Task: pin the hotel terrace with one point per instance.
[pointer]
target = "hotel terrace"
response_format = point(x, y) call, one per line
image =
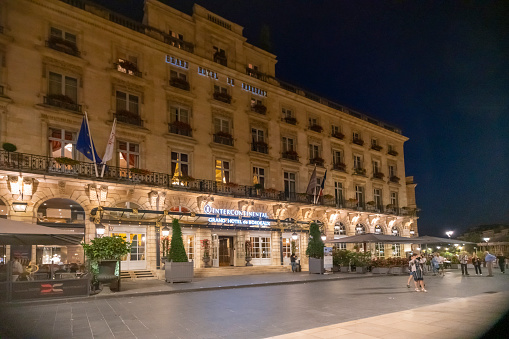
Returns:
point(205, 132)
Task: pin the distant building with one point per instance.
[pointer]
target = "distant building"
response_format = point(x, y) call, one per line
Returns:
point(205, 132)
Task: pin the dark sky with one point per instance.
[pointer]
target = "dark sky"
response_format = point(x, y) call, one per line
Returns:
point(437, 69)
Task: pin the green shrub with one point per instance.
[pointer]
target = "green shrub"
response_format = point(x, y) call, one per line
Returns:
point(177, 249)
point(315, 245)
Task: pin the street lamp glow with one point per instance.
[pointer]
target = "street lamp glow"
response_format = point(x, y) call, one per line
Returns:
point(294, 236)
point(438, 247)
point(324, 237)
point(486, 239)
point(449, 233)
point(456, 245)
point(166, 231)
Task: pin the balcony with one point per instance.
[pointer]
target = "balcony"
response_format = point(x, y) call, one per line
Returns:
point(180, 83)
point(221, 59)
point(358, 141)
point(223, 138)
point(392, 152)
point(394, 179)
point(181, 44)
point(338, 135)
point(339, 166)
point(223, 97)
point(378, 175)
point(47, 166)
point(128, 117)
point(260, 147)
point(62, 101)
point(290, 120)
point(128, 67)
point(316, 161)
point(359, 171)
point(61, 45)
point(256, 74)
point(376, 147)
point(290, 155)
point(259, 108)
point(316, 128)
point(180, 128)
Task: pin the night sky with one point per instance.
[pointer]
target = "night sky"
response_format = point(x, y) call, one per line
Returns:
point(439, 70)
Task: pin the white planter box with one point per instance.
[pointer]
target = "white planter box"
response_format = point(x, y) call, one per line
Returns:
point(178, 271)
point(380, 270)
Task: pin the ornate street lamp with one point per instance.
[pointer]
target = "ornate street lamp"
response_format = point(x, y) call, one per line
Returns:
point(165, 231)
point(295, 236)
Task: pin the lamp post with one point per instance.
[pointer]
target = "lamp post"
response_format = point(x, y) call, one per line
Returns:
point(487, 240)
point(449, 233)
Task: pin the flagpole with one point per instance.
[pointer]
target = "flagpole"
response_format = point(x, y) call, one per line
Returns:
point(314, 191)
point(91, 145)
point(104, 161)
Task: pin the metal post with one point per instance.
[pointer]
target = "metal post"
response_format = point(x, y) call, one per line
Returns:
point(281, 246)
point(158, 248)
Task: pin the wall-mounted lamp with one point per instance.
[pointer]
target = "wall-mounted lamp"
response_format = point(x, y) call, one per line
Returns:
point(165, 231)
point(19, 206)
point(99, 230)
point(295, 236)
point(324, 237)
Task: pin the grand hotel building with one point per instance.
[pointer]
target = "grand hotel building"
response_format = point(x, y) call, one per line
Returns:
point(205, 132)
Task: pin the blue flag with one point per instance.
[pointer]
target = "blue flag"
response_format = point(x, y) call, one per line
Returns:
point(85, 144)
point(322, 186)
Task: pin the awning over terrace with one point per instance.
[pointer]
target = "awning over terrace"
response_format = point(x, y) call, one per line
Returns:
point(21, 233)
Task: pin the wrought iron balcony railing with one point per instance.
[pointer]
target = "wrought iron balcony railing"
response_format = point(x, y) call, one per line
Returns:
point(127, 68)
point(43, 165)
point(260, 147)
point(63, 46)
point(290, 155)
point(223, 139)
point(129, 118)
point(180, 128)
point(52, 101)
point(256, 74)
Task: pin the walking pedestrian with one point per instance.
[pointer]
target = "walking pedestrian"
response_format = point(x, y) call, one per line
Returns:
point(417, 267)
point(410, 274)
point(501, 262)
point(477, 264)
point(435, 263)
point(293, 262)
point(463, 258)
point(489, 259)
point(441, 261)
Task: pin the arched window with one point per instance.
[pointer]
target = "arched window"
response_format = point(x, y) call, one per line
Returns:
point(126, 214)
point(339, 230)
point(378, 229)
point(360, 229)
point(59, 212)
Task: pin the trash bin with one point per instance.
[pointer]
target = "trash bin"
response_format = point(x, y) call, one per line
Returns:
point(298, 268)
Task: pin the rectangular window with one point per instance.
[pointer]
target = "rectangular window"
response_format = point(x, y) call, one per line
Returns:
point(58, 33)
point(337, 157)
point(63, 85)
point(128, 154)
point(357, 162)
point(313, 121)
point(314, 151)
point(179, 164)
point(335, 130)
point(341, 246)
point(189, 244)
point(179, 114)
point(260, 247)
point(359, 195)
point(127, 102)
point(178, 74)
point(289, 181)
point(287, 112)
point(374, 142)
point(62, 143)
point(221, 125)
point(376, 166)
point(255, 102)
point(396, 250)
point(223, 171)
point(394, 199)
point(380, 250)
point(356, 135)
point(288, 144)
point(377, 198)
point(257, 135)
point(220, 89)
point(259, 176)
point(338, 193)
point(176, 35)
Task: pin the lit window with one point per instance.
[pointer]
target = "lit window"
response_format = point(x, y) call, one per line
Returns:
point(223, 171)
point(62, 143)
point(129, 154)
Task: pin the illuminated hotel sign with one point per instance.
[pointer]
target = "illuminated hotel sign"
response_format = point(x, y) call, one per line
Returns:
point(236, 213)
point(254, 90)
point(177, 62)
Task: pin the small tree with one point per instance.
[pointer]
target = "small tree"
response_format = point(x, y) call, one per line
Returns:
point(315, 245)
point(177, 250)
point(105, 248)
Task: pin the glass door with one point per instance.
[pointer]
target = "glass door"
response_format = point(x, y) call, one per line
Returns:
point(136, 259)
point(215, 250)
point(261, 250)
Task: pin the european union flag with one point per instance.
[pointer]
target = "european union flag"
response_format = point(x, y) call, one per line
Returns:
point(85, 144)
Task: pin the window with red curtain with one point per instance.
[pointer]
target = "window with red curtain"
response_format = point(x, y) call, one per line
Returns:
point(129, 154)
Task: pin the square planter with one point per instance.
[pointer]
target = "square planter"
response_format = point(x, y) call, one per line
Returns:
point(344, 269)
point(380, 270)
point(395, 270)
point(361, 269)
point(178, 271)
point(454, 266)
point(316, 266)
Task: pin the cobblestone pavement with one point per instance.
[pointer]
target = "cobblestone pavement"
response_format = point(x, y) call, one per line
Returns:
point(349, 307)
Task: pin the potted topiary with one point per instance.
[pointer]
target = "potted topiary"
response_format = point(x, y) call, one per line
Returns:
point(315, 250)
point(177, 267)
point(249, 249)
point(205, 245)
point(104, 255)
point(361, 261)
point(342, 258)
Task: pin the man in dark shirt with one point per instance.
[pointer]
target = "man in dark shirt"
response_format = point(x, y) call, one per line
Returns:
point(501, 262)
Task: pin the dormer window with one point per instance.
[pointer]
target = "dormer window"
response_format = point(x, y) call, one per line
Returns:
point(63, 41)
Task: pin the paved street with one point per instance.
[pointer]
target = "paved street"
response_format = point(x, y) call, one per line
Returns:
point(265, 311)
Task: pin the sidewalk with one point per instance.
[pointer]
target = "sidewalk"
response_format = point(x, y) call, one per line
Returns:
point(463, 318)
